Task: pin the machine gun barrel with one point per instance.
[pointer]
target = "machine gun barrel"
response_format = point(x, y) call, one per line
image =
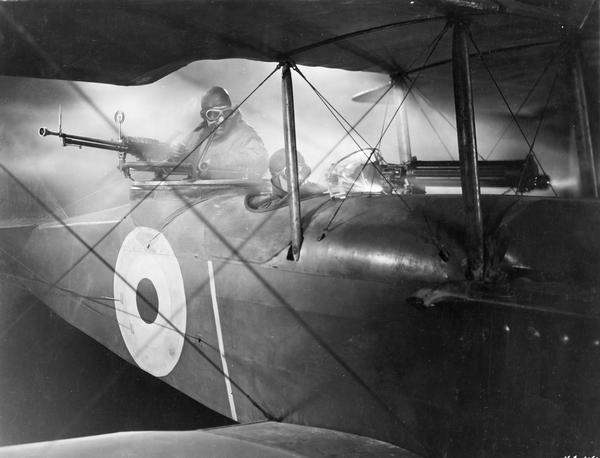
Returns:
point(148, 152)
point(522, 175)
point(77, 140)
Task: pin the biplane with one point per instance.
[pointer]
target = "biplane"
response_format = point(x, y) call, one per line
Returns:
point(377, 316)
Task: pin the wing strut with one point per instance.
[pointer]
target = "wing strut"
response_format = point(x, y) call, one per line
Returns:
point(399, 93)
point(291, 158)
point(583, 135)
point(467, 149)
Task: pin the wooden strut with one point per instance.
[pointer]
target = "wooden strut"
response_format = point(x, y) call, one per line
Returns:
point(583, 135)
point(467, 150)
point(399, 92)
point(291, 159)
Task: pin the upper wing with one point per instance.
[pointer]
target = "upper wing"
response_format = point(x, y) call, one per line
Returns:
point(253, 440)
point(139, 41)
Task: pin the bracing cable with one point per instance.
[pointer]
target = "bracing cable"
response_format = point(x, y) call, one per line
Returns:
point(435, 131)
point(353, 126)
point(156, 186)
point(430, 105)
point(434, 44)
point(339, 118)
point(355, 376)
point(339, 207)
point(542, 115)
point(385, 114)
point(443, 116)
point(538, 127)
point(309, 329)
point(107, 183)
point(344, 122)
point(522, 105)
point(336, 114)
point(91, 249)
point(508, 106)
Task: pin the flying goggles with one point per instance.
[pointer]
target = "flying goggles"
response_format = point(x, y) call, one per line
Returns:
point(217, 114)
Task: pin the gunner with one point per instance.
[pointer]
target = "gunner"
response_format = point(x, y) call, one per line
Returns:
point(223, 145)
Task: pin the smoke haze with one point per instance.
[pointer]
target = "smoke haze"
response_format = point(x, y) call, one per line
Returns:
point(77, 180)
point(169, 108)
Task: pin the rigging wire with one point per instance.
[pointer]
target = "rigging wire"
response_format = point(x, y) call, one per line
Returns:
point(443, 116)
point(320, 340)
point(280, 299)
point(542, 115)
point(523, 103)
point(435, 131)
point(353, 127)
point(508, 106)
point(434, 44)
point(97, 299)
point(294, 313)
point(539, 125)
point(438, 111)
point(336, 114)
point(372, 152)
point(385, 114)
point(8, 328)
point(107, 183)
point(339, 207)
point(431, 123)
point(102, 301)
point(586, 15)
point(91, 249)
point(310, 331)
point(339, 118)
point(425, 99)
point(156, 186)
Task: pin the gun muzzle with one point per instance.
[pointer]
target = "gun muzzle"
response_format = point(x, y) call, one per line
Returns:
point(45, 132)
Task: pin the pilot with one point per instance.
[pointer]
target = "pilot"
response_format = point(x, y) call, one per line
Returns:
point(279, 175)
point(223, 146)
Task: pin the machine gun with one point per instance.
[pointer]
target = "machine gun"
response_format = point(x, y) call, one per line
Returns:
point(415, 175)
point(147, 151)
point(521, 175)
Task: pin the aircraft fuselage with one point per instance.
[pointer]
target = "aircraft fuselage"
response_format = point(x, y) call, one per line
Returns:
point(204, 295)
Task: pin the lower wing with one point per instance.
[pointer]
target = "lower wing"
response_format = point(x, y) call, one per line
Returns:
point(268, 439)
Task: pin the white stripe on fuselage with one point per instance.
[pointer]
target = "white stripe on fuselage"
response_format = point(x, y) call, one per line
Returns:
point(213, 294)
point(80, 223)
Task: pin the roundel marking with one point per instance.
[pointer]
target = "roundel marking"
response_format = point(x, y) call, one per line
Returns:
point(150, 300)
